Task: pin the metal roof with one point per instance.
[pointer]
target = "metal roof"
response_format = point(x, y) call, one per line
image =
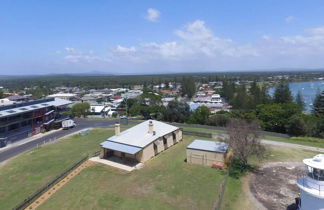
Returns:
point(31, 106)
point(316, 162)
point(211, 146)
point(138, 135)
point(120, 147)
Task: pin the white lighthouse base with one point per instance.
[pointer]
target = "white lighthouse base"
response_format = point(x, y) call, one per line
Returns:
point(311, 202)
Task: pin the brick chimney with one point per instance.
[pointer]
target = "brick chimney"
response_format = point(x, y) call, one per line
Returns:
point(150, 127)
point(117, 129)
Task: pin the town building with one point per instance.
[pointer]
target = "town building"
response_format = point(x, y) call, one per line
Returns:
point(18, 121)
point(311, 184)
point(101, 110)
point(65, 96)
point(141, 142)
point(206, 153)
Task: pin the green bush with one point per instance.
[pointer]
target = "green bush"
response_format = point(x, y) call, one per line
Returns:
point(307, 139)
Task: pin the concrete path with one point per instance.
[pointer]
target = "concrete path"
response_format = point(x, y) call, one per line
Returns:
point(45, 196)
point(116, 165)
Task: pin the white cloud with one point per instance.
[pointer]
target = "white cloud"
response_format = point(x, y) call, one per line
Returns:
point(290, 19)
point(266, 37)
point(152, 15)
point(196, 47)
point(76, 56)
point(125, 49)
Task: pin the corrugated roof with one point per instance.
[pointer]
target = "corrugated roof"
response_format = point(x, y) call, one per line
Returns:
point(21, 109)
point(120, 147)
point(138, 135)
point(211, 146)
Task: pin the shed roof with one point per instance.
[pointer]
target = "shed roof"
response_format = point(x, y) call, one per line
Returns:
point(138, 135)
point(211, 146)
point(120, 147)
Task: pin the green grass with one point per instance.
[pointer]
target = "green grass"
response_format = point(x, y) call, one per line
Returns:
point(307, 141)
point(166, 182)
point(23, 175)
point(204, 130)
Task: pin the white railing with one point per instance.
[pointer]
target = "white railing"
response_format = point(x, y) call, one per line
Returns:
point(307, 182)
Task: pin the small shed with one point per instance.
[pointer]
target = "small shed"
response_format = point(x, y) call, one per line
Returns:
point(206, 152)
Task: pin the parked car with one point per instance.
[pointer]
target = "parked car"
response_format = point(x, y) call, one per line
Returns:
point(66, 124)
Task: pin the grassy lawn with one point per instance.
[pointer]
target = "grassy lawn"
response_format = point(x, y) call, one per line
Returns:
point(204, 130)
point(300, 140)
point(314, 142)
point(166, 182)
point(235, 194)
point(26, 173)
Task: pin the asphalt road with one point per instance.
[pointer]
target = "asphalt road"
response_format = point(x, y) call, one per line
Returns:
point(81, 124)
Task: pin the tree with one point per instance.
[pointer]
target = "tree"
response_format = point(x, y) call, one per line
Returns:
point(244, 141)
point(188, 87)
point(318, 105)
point(176, 112)
point(218, 120)
point(300, 101)
point(256, 94)
point(200, 115)
point(296, 126)
point(228, 89)
point(241, 100)
point(274, 117)
point(1, 94)
point(282, 93)
point(80, 109)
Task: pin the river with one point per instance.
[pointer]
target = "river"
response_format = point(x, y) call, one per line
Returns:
point(307, 89)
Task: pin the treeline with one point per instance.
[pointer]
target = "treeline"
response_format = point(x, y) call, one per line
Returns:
point(281, 113)
point(111, 81)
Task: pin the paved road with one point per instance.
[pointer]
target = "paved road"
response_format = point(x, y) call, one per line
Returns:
point(81, 124)
point(290, 145)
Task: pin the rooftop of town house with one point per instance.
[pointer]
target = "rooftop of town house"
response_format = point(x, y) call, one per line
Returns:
point(139, 136)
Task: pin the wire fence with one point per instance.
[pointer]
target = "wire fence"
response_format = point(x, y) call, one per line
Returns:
point(30, 199)
point(220, 196)
point(196, 133)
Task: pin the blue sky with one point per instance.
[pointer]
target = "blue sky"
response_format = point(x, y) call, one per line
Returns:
point(122, 37)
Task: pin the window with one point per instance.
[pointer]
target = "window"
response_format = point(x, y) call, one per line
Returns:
point(315, 173)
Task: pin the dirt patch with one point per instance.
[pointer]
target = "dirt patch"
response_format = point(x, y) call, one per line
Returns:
point(274, 184)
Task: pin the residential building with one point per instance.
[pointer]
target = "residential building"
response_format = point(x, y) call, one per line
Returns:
point(141, 142)
point(65, 96)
